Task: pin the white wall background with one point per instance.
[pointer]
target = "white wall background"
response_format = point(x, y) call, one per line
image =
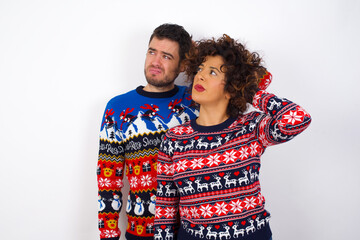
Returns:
point(61, 61)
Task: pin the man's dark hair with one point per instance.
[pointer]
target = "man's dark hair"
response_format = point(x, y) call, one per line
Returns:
point(175, 33)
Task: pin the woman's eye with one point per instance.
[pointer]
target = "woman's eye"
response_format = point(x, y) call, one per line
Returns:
point(198, 70)
point(212, 72)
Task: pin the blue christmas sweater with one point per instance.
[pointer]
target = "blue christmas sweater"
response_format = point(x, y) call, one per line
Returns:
point(210, 175)
point(131, 132)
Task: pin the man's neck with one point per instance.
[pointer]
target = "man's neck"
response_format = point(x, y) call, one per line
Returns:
point(151, 88)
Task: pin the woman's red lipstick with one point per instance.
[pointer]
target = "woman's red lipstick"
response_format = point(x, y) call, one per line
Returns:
point(199, 88)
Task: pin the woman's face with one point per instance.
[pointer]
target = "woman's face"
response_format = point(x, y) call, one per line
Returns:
point(209, 83)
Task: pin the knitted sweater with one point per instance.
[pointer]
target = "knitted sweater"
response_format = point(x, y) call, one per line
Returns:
point(131, 131)
point(211, 174)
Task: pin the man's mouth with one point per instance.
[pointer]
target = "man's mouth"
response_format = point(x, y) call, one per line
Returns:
point(155, 71)
point(199, 88)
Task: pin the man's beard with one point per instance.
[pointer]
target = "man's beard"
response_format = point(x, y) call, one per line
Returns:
point(165, 82)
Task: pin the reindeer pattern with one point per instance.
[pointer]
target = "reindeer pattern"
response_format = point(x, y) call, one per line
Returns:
point(216, 171)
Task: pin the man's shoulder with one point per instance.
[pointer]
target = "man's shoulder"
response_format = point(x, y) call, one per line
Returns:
point(128, 96)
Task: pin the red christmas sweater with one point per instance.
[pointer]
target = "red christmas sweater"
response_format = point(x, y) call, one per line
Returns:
point(210, 175)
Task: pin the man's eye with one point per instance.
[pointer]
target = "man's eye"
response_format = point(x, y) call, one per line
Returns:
point(166, 57)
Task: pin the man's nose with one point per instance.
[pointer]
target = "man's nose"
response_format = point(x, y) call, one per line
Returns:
point(156, 60)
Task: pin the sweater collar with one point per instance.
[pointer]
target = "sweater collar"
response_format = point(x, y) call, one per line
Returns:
point(168, 94)
point(214, 128)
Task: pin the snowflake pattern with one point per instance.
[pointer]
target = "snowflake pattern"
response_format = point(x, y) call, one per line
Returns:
point(168, 169)
point(134, 182)
point(229, 156)
point(243, 153)
point(146, 180)
point(178, 130)
point(104, 182)
point(292, 118)
point(254, 149)
point(181, 165)
point(110, 233)
point(206, 211)
point(221, 208)
point(197, 163)
point(119, 183)
point(236, 206)
point(169, 212)
point(250, 203)
point(213, 160)
point(194, 212)
point(189, 130)
point(159, 168)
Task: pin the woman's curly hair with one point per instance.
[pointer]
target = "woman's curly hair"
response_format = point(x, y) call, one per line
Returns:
point(242, 69)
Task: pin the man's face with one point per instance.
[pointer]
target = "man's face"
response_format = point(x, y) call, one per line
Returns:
point(162, 63)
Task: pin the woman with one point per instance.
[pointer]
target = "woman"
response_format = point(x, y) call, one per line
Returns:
point(208, 168)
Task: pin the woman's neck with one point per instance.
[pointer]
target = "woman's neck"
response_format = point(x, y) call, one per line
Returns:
point(211, 116)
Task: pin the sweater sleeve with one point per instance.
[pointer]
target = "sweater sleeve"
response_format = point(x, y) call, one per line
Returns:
point(167, 196)
point(283, 119)
point(110, 175)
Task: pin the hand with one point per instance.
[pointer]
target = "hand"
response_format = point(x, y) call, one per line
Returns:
point(265, 80)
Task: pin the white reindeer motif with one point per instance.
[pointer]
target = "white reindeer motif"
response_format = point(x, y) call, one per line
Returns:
point(237, 232)
point(169, 191)
point(227, 137)
point(259, 222)
point(252, 175)
point(225, 234)
point(191, 145)
point(251, 227)
point(158, 236)
point(252, 126)
point(274, 103)
point(229, 182)
point(189, 187)
point(200, 186)
point(217, 183)
point(244, 179)
point(277, 135)
point(242, 131)
point(210, 234)
point(170, 149)
point(200, 232)
point(177, 146)
point(216, 144)
point(168, 236)
point(159, 190)
point(202, 144)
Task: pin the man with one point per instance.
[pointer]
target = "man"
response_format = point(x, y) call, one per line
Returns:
point(131, 131)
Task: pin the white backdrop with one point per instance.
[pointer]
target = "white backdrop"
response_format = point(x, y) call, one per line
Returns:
point(61, 61)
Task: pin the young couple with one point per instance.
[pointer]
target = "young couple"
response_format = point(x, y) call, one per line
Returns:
point(196, 152)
